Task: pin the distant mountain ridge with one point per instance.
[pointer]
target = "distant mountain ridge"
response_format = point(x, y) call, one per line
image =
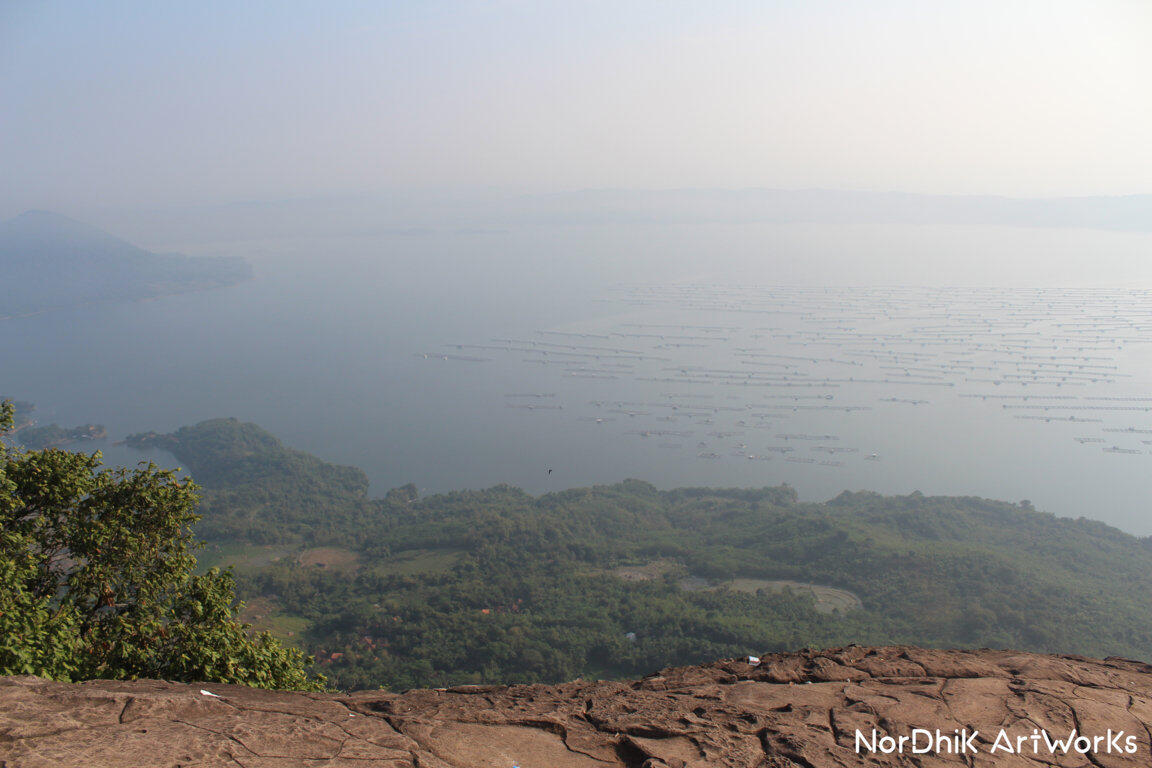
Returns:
point(416, 215)
point(50, 261)
point(1124, 213)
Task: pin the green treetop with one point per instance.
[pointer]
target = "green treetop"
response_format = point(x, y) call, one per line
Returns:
point(97, 569)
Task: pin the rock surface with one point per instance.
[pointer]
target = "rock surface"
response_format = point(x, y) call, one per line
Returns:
point(790, 711)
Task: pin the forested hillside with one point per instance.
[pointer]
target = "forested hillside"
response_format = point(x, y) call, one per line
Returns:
point(499, 585)
point(263, 492)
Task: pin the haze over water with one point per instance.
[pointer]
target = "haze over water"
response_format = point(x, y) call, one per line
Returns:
point(409, 176)
point(325, 348)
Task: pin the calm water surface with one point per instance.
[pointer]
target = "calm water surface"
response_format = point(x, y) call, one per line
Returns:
point(326, 348)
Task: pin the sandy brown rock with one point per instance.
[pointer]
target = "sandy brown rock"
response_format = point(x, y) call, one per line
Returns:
point(791, 711)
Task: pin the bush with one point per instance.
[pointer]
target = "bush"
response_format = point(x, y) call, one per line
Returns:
point(97, 568)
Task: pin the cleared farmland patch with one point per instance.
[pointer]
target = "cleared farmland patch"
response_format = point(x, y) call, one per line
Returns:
point(827, 599)
point(335, 558)
point(411, 562)
point(242, 558)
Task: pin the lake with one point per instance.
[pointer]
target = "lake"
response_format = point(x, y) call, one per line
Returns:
point(827, 357)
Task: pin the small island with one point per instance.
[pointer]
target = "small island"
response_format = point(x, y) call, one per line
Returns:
point(36, 438)
point(56, 436)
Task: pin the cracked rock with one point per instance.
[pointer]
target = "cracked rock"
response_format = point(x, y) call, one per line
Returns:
point(800, 710)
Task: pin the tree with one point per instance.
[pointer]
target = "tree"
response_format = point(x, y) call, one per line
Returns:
point(97, 568)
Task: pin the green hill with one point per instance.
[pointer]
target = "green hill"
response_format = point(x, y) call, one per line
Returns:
point(500, 585)
point(257, 490)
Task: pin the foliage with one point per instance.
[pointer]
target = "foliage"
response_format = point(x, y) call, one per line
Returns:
point(97, 568)
point(258, 490)
point(35, 639)
point(930, 571)
point(21, 411)
point(502, 586)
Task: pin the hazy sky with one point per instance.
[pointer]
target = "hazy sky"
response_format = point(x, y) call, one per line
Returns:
point(171, 103)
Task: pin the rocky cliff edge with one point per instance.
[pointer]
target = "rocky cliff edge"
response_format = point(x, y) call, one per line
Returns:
point(799, 710)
